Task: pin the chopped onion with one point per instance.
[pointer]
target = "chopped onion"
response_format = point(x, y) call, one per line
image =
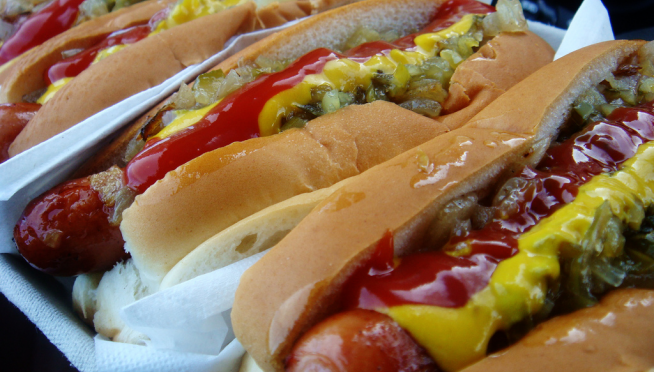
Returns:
point(71, 52)
point(423, 106)
point(361, 36)
point(331, 102)
point(90, 9)
point(168, 118)
point(508, 198)
point(507, 18)
point(110, 184)
point(452, 220)
point(452, 57)
point(184, 99)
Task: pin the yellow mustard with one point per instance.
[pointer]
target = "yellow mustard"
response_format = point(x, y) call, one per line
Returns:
point(188, 10)
point(345, 75)
point(184, 118)
point(457, 337)
point(52, 89)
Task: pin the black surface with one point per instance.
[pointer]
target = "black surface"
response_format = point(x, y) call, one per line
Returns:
point(24, 348)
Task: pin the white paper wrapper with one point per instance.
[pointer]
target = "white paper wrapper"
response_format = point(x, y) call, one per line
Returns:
point(188, 324)
point(590, 25)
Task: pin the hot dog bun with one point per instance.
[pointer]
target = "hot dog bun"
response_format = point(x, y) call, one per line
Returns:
point(612, 336)
point(133, 70)
point(290, 295)
point(615, 335)
point(475, 83)
point(182, 212)
point(141, 66)
point(304, 160)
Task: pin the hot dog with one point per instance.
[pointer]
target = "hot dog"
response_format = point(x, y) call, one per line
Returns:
point(23, 74)
point(532, 208)
point(111, 63)
point(327, 149)
point(358, 147)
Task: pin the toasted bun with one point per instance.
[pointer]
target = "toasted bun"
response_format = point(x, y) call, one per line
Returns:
point(178, 213)
point(615, 335)
point(247, 237)
point(278, 298)
point(134, 69)
point(302, 161)
point(26, 73)
point(476, 82)
point(145, 64)
point(183, 211)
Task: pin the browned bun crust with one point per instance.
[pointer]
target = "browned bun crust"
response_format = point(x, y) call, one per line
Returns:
point(134, 69)
point(479, 80)
point(297, 161)
point(615, 335)
point(26, 73)
point(299, 295)
point(178, 213)
point(271, 15)
point(295, 285)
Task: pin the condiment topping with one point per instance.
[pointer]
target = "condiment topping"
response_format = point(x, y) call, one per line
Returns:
point(557, 205)
point(217, 128)
point(261, 106)
point(58, 75)
point(50, 21)
point(74, 65)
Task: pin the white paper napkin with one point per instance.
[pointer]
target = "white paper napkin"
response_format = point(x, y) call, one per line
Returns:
point(590, 25)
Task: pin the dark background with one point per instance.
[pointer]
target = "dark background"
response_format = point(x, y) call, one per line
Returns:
point(24, 348)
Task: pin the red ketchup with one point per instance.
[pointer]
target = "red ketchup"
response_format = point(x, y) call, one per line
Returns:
point(74, 65)
point(40, 27)
point(235, 118)
point(440, 279)
point(218, 128)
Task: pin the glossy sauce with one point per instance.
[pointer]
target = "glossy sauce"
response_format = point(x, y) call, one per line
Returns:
point(450, 277)
point(66, 231)
point(74, 65)
point(40, 27)
point(236, 117)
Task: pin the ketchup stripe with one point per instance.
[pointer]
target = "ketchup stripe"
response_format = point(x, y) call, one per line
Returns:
point(236, 118)
point(74, 65)
point(439, 279)
point(40, 27)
